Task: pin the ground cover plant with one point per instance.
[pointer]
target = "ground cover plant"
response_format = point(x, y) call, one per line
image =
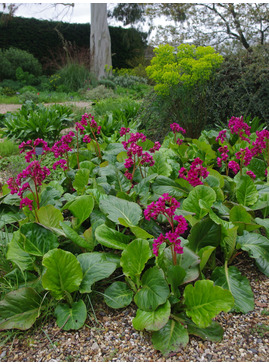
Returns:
point(169, 218)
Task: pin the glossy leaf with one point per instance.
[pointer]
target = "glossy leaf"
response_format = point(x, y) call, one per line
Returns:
point(154, 291)
point(37, 240)
point(118, 208)
point(17, 255)
point(152, 321)
point(170, 338)
point(231, 278)
point(81, 180)
point(95, 267)
point(82, 207)
point(164, 184)
point(63, 272)
point(213, 332)
point(19, 309)
point(50, 216)
point(118, 295)
point(76, 238)
point(246, 191)
point(111, 238)
point(161, 167)
point(134, 257)
point(71, 318)
point(241, 218)
point(228, 242)
point(204, 233)
point(204, 255)
point(204, 301)
point(199, 201)
point(258, 248)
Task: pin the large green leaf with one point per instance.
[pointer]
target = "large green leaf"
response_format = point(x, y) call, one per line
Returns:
point(118, 295)
point(76, 238)
point(199, 201)
point(213, 332)
point(264, 223)
point(81, 180)
point(161, 167)
point(63, 272)
point(246, 191)
point(170, 338)
point(154, 291)
point(189, 261)
point(204, 301)
point(50, 216)
point(164, 184)
point(118, 208)
point(10, 217)
point(95, 267)
point(204, 255)
point(134, 257)
point(37, 240)
point(71, 318)
point(204, 233)
point(19, 309)
point(81, 208)
point(152, 321)
point(258, 248)
point(228, 241)
point(231, 279)
point(241, 218)
point(17, 255)
point(111, 238)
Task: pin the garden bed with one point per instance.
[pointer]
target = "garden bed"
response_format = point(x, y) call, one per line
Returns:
point(113, 338)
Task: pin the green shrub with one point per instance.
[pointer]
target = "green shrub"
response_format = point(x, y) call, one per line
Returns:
point(7, 148)
point(27, 89)
point(37, 121)
point(12, 58)
point(98, 93)
point(128, 81)
point(29, 96)
point(71, 77)
point(107, 83)
point(14, 85)
point(240, 87)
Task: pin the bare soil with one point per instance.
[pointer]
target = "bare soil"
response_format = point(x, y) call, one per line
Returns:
point(4, 108)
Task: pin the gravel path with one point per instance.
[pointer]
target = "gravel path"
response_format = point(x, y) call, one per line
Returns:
point(4, 108)
point(113, 338)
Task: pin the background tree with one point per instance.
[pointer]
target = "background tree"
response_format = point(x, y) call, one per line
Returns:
point(100, 43)
point(221, 25)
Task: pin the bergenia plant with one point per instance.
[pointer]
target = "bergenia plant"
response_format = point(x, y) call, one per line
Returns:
point(136, 156)
point(166, 205)
point(195, 174)
point(176, 128)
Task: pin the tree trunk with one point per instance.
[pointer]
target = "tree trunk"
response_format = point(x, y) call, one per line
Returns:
point(100, 43)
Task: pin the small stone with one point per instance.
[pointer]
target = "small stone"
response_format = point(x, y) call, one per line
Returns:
point(3, 354)
point(95, 347)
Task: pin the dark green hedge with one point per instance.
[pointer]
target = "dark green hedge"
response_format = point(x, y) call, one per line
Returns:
point(40, 38)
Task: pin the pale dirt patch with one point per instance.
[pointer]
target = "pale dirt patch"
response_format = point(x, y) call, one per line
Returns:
point(4, 108)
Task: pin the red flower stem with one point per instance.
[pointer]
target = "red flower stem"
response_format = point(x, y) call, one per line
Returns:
point(77, 150)
point(97, 144)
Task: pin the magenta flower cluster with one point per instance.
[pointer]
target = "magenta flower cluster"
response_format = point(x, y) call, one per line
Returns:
point(195, 174)
point(166, 205)
point(223, 155)
point(29, 148)
point(237, 126)
point(176, 128)
point(34, 172)
point(136, 156)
